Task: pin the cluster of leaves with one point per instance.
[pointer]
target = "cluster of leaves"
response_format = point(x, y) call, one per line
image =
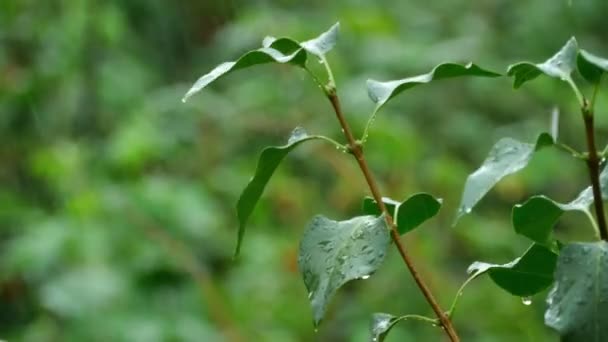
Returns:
point(333, 253)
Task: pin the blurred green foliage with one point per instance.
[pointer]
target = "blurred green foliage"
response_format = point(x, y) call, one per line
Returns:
point(117, 218)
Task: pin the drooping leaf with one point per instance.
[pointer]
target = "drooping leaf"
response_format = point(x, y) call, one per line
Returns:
point(506, 157)
point(381, 92)
point(333, 253)
point(590, 66)
point(410, 213)
point(560, 66)
point(268, 162)
point(524, 276)
point(536, 217)
point(273, 50)
point(578, 302)
point(381, 325)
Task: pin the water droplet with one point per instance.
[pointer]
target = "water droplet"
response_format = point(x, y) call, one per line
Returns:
point(310, 294)
point(526, 300)
point(365, 277)
point(467, 210)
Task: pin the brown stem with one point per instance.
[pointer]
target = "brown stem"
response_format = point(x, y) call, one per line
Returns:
point(593, 164)
point(356, 150)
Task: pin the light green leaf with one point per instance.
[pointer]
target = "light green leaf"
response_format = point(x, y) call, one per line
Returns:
point(324, 43)
point(333, 253)
point(381, 325)
point(536, 217)
point(282, 50)
point(410, 213)
point(590, 66)
point(506, 157)
point(560, 66)
point(578, 303)
point(382, 92)
point(268, 162)
point(524, 276)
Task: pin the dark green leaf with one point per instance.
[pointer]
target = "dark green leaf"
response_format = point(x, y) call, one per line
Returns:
point(269, 160)
point(410, 213)
point(560, 66)
point(506, 157)
point(591, 67)
point(524, 276)
point(282, 50)
point(370, 207)
point(333, 253)
point(382, 92)
point(536, 217)
point(578, 303)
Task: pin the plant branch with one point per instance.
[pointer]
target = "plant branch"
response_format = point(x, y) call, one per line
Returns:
point(356, 150)
point(593, 164)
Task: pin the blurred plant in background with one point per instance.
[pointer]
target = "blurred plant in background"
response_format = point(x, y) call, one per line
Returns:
point(117, 201)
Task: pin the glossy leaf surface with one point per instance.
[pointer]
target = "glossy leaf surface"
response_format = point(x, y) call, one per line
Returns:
point(333, 253)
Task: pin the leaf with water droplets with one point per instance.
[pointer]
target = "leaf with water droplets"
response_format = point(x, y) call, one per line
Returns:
point(536, 217)
point(333, 253)
point(590, 66)
point(506, 157)
point(269, 160)
point(409, 214)
point(578, 302)
point(273, 50)
point(524, 276)
point(381, 325)
point(381, 92)
point(560, 66)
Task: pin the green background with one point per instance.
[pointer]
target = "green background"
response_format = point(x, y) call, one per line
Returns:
point(117, 219)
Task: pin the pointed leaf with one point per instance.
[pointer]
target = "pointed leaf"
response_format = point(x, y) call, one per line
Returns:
point(410, 213)
point(506, 157)
point(381, 325)
point(560, 66)
point(282, 50)
point(268, 162)
point(578, 303)
point(590, 66)
point(333, 253)
point(382, 92)
point(536, 217)
point(524, 276)
point(324, 43)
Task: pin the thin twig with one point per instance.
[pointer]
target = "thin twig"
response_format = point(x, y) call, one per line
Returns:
point(356, 150)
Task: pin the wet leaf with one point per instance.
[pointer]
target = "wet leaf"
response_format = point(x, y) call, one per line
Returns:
point(536, 217)
point(409, 214)
point(524, 276)
point(559, 66)
point(506, 157)
point(381, 325)
point(268, 162)
point(578, 303)
point(381, 92)
point(273, 50)
point(333, 253)
point(590, 66)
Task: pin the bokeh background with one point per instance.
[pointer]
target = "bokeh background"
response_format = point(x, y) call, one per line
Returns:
point(117, 218)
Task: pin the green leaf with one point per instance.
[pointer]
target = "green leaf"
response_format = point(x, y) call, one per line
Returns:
point(268, 162)
point(381, 325)
point(333, 253)
point(282, 50)
point(324, 43)
point(382, 92)
point(560, 66)
point(524, 276)
point(410, 213)
point(578, 303)
point(536, 217)
point(590, 66)
point(506, 157)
